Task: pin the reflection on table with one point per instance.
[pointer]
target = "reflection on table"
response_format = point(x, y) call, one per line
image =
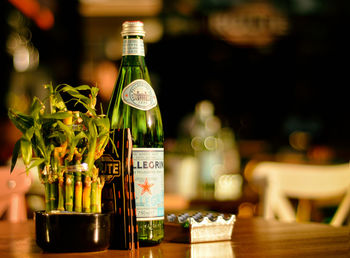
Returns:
point(254, 237)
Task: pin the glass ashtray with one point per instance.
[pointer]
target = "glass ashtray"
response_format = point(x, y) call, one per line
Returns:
point(197, 227)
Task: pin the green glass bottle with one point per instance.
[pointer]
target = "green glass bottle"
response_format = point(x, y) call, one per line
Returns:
point(134, 105)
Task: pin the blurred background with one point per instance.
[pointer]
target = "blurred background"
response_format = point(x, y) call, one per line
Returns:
point(236, 80)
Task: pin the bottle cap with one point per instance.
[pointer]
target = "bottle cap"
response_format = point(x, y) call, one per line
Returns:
point(132, 28)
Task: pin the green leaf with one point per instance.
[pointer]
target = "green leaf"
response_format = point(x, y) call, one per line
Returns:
point(103, 124)
point(72, 91)
point(75, 141)
point(36, 163)
point(58, 115)
point(67, 129)
point(103, 134)
point(91, 110)
point(15, 154)
point(21, 121)
point(28, 135)
point(79, 136)
point(78, 96)
point(40, 144)
point(83, 87)
point(113, 146)
point(35, 108)
point(65, 87)
point(60, 137)
point(94, 92)
point(55, 100)
point(58, 102)
point(68, 132)
point(92, 130)
point(104, 140)
point(26, 150)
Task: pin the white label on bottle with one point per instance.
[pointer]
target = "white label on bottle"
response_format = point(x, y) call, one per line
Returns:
point(133, 47)
point(139, 94)
point(149, 183)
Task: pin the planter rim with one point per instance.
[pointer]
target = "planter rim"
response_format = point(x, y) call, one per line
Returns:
point(72, 213)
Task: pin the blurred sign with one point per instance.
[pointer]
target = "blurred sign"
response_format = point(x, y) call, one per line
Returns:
point(104, 8)
point(254, 24)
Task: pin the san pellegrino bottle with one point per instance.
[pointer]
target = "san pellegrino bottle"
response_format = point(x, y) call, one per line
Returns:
point(134, 105)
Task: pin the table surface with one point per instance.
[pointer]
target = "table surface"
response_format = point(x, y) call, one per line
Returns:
point(252, 237)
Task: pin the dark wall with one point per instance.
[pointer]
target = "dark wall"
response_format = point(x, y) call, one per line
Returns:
point(300, 82)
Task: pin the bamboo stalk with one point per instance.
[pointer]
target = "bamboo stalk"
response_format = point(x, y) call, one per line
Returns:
point(47, 196)
point(61, 193)
point(45, 180)
point(94, 196)
point(53, 195)
point(100, 185)
point(52, 178)
point(86, 194)
point(78, 192)
point(69, 191)
point(94, 190)
point(78, 188)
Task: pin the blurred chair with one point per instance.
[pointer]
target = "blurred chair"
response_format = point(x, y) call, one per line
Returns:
point(279, 181)
point(13, 188)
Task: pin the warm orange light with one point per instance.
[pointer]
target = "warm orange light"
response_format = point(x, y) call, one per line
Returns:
point(299, 140)
point(28, 7)
point(42, 16)
point(45, 19)
point(246, 210)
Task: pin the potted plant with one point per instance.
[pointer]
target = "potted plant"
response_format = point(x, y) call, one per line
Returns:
point(64, 144)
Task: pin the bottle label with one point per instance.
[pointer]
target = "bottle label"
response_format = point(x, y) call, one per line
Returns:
point(133, 47)
point(139, 94)
point(149, 183)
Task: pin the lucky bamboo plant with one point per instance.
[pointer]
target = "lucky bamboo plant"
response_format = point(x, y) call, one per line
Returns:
point(64, 145)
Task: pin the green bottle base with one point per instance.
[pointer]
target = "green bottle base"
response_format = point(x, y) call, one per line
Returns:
point(144, 243)
point(150, 232)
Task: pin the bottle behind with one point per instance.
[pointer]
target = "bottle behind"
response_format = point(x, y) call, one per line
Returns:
point(134, 105)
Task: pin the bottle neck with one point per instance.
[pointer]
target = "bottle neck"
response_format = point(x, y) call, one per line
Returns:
point(133, 46)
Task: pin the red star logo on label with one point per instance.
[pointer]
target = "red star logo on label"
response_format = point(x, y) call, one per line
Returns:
point(146, 187)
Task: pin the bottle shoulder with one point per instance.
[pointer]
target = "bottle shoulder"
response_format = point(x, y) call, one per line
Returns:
point(133, 61)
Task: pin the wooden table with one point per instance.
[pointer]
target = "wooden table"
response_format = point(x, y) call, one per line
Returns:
point(251, 238)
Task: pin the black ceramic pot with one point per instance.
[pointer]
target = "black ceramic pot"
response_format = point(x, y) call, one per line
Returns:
point(71, 231)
